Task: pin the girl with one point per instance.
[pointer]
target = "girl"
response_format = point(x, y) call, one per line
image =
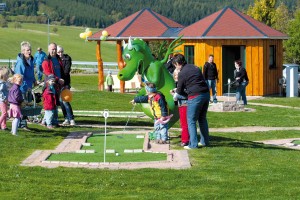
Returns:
point(15, 99)
point(3, 97)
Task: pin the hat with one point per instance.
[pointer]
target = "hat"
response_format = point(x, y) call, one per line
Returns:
point(39, 49)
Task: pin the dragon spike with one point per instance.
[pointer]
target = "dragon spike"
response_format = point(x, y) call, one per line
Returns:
point(129, 44)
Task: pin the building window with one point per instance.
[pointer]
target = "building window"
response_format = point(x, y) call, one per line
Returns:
point(272, 57)
point(189, 54)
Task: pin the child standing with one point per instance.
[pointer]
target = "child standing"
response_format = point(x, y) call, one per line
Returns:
point(109, 81)
point(15, 98)
point(3, 97)
point(50, 95)
point(159, 111)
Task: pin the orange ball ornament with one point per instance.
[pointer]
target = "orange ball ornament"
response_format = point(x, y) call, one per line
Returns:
point(66, 95)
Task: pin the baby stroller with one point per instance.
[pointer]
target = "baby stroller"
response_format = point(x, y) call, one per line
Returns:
point(33, 110)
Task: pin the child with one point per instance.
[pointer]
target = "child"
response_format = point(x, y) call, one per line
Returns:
point(3, 97)
point(109, 81)
point(159, 110)
point(15, 98)
point(50, 96)
point(182, 108)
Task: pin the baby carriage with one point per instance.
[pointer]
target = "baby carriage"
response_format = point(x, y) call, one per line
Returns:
point(33, 110)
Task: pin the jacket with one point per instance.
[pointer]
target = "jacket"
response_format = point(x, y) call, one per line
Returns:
point(15, 95)
point(210, 71)
point(191, 81)
point(3, 91)
point(242, 74)
point(67, 64)
point(157, 103)
point(26, 70)
point(50, 97)
point(47, 66)
point(39, 58)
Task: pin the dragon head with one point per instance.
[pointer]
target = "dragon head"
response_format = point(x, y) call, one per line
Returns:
point(137, 57)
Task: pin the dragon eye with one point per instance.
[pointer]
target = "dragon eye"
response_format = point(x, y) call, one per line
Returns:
point(127, 56)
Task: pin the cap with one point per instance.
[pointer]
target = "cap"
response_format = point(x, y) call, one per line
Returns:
point(39, 49)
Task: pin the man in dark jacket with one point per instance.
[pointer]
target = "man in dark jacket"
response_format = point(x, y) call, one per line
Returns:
point(211, 76)
point(192, 83)
point(66, 106)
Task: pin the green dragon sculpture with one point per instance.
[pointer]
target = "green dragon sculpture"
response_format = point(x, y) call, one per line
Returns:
point(137, 57)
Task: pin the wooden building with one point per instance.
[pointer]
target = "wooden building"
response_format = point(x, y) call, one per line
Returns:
point(227, 34)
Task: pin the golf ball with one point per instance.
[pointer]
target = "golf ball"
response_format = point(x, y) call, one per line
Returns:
point(117, 154)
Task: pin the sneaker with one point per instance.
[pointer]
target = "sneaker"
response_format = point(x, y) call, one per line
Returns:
point(66, 122)
point(50, 127)
point(200, 145)
point(26, 129)
point(187, 147)
point(183, 144)
point(72, 122)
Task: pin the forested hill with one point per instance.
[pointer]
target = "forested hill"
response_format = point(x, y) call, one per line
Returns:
point(102, 13)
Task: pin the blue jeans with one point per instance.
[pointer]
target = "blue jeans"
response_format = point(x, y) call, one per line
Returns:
point(196, 111)
point(161, 131)
point(212, 85)
point(39, 72)
point(67, 110)
point(241, 92)
point(51, 117)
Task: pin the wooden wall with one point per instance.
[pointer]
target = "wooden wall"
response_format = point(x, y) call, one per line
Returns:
point(263, 81)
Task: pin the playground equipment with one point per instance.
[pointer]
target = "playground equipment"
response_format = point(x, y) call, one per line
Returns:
point(138, 58)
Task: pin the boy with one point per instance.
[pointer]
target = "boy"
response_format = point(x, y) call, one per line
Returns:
point(159, 110)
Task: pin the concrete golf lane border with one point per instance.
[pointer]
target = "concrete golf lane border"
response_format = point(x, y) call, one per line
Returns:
point(176, 159)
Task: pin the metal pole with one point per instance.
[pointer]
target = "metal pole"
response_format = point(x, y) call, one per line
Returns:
point(48, 31)
point(105, 115)
point(228, 88)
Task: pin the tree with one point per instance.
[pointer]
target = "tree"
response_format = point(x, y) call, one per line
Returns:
point(55, 29)
point(292, 45)
point(282, 18)
point(264, 11)
point(3, 22)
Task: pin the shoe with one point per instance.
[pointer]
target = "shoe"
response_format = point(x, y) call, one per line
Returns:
point(43, 123)
point(66, 122)
point(56, 125)
point(14, 134)
point(50, 127)
point(187, 147)
point(200, 145)
point(26, 129)
point(183, 144)
point(72, 122)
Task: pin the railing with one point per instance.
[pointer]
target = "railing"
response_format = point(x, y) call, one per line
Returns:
point(84, 65)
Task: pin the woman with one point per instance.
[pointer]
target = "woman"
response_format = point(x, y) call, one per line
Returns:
point(25, 67)
point(241, 78)
point(192, 83)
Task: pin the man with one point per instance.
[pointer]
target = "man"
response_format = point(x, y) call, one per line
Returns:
point(53, 65)
point(39, 57)
point(191, 81)
point(66, 106)
point(211, 76)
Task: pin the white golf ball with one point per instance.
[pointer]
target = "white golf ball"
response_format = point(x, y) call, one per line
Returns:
point(117, 154)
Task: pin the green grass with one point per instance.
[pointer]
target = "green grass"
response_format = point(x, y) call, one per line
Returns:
point(293, 101)
point(234, 167)
point(67, 36)
point(119, 143)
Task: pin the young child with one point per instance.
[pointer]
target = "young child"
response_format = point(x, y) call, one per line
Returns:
point(159, 110)
point(3, 97)
point(15, 98)
point(50, 96)
point(109, 81)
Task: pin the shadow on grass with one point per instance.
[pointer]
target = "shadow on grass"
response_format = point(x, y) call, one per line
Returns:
point(217, 141)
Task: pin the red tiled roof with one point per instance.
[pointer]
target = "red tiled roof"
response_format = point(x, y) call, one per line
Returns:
point(230, 23)
point(144, 23)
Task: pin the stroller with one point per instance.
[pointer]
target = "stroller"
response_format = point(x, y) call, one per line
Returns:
point(34, 111)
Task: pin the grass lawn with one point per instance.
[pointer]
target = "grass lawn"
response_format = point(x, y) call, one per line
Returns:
point(234, 167)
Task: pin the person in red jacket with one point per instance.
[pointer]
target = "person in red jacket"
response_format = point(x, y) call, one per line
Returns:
point(51, 99)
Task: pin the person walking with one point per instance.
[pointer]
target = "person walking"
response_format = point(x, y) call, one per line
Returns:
point(109, 82)
point(211, 76)
point(39, 57)
point(66, 106)
point(52, 65)
point(192, 83)
point(242, 80)
point(3, 97)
